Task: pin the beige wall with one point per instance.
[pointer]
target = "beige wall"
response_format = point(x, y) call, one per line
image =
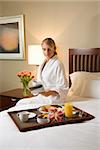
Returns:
point(98, 25)
point(0, 8)
point(0, 63)
point(71, 24)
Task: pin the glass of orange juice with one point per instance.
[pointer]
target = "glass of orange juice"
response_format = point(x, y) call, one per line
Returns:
point(68, 108)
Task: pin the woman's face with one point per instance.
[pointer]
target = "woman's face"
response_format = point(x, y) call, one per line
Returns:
point(48, 50)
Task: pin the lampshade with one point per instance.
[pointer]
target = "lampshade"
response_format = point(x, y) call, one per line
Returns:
point(35, 54)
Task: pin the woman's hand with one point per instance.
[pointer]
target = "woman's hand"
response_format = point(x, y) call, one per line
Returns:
point(48, 93)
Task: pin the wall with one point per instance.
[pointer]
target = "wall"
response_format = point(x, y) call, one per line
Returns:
point(98, 25)
point(1, 62)
point(71, 24)
point(0, 8)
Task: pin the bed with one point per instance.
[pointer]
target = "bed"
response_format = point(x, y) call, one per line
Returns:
point(80, 136)
point(84, 60)
point(84, 74)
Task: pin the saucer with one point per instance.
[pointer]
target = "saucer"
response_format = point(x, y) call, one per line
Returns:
point(31, 115)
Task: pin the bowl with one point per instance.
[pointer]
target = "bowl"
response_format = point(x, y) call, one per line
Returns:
point(43, 118)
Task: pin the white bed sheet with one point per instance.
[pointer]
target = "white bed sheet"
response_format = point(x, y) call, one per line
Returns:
point(81, 136)
point(74, 98)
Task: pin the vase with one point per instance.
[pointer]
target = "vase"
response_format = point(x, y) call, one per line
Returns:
point(26, 90)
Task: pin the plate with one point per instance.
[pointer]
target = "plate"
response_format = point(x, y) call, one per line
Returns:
point(45, 109)
point(31, 115)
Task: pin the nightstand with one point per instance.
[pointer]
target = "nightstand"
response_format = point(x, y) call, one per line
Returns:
point(10, 98)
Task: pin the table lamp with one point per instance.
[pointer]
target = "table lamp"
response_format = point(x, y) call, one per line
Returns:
point(35, 57)
point(35, 54)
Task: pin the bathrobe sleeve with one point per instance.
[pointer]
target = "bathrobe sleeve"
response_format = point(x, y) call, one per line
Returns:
point(61, 85)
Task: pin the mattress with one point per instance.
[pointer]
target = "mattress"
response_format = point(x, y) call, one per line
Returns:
point(81, 136)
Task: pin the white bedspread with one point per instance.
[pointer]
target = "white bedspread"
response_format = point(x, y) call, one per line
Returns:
point(81, 136)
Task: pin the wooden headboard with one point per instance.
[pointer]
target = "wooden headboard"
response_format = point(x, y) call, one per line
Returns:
point(84, 60)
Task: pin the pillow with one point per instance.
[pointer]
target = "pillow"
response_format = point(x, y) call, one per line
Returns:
point(78, 78)
point(91, 89)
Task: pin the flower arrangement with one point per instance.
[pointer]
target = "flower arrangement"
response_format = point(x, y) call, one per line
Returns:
point(25, 77)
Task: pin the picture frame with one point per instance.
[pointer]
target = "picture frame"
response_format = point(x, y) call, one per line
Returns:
point(12, 38)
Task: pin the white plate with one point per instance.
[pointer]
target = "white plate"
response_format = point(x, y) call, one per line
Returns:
point(43, 111)
point(42, 108)
point(31, 115)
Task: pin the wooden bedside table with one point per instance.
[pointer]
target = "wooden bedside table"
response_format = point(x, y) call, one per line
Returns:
point(10, 98)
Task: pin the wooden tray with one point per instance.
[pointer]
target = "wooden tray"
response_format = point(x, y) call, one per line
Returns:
point(33, 125)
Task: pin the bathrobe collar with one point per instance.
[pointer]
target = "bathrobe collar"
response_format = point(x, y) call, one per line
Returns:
point(48, 64)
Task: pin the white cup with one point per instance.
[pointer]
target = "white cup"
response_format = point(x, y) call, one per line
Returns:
point(23, 116)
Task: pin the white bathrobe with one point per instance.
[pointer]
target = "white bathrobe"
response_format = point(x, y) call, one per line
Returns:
point(52, 76)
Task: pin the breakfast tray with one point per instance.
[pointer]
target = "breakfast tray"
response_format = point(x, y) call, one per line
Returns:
point(32, 123)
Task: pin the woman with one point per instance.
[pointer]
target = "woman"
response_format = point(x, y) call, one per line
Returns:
point(52, 76)
point(51, 73)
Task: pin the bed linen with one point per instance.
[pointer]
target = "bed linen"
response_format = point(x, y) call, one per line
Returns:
point(81, 136)
point(84, 83)
point(42, 100)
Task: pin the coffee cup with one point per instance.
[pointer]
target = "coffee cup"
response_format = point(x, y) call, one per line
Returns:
point(23, 116)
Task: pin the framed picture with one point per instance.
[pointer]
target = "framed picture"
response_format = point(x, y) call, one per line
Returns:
point(12, 44)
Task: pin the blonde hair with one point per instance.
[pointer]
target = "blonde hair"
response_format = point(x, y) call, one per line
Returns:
point(50, 42)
